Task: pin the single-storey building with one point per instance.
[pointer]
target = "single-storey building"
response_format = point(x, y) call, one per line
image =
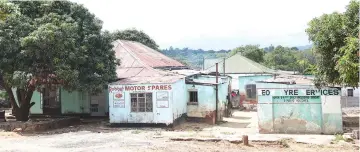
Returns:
point(153, 88)
point(292, 104)
point(244, 73)
point(202, 97)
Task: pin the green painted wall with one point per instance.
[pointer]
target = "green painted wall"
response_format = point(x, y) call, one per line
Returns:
point(37, 108)
point(74, 102)
point(311, 113)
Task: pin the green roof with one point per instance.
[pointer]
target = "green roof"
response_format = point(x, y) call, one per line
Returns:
point(236, 64)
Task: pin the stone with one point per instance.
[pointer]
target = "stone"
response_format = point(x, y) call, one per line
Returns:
point(18, 130)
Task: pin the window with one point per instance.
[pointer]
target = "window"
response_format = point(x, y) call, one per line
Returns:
point(51, 97)
point(350, 92)
point(94, 107)
point(193, 96)
point(251, 91)
point(141, 102)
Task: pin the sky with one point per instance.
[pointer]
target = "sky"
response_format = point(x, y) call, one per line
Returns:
point(215, 24)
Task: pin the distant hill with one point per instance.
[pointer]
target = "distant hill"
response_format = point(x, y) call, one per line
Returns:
point(304, 47)
point(193, 57)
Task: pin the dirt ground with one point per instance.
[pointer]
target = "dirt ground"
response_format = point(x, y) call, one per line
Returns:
point(96, 135)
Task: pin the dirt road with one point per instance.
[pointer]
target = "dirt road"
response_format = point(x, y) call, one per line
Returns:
point(96, 136)
point(142, 140)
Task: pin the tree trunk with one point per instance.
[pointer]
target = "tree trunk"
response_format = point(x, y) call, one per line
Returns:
point(21, 109)
point(22, 114)
point(24, 98)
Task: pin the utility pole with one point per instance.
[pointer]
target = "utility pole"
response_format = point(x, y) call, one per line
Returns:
point(203, 67)
point(224, 66)
point(216, 90)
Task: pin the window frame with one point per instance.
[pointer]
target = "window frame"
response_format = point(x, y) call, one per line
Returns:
point(190, 96)
point(253, 93)
point(146, 100)
point(46, 96)
point(350, 94)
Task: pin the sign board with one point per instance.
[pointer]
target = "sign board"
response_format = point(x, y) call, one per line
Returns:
point(162, 99)
point(159, 87)
point(298, 92)
point(296, 99)
point(119, 100)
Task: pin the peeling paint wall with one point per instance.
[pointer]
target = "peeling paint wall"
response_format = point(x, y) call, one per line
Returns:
point(207, 97)
point(243, 80)
point(311, 113)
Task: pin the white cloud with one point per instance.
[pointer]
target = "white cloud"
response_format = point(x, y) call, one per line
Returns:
point(215, 24)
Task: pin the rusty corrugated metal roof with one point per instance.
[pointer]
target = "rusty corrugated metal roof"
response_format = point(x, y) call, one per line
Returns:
point(138, 64)
point(130, 53)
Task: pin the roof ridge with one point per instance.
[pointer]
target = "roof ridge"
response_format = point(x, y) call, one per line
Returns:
point(262, 67)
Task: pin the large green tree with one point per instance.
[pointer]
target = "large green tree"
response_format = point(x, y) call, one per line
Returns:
point(281, 58)
point(253, 52)
point(46, 43)
point(335, 40)
point(137, 36)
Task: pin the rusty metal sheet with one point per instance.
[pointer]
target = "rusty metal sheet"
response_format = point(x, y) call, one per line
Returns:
point(130, 52)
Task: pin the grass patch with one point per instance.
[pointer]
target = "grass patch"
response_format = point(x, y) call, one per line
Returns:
point(135, 131)
point(339, 137)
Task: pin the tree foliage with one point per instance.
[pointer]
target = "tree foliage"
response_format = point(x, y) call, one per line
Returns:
point(44, 43)
point(335, 38)
point(137, 36)
point(281, 58)
point(253, 52)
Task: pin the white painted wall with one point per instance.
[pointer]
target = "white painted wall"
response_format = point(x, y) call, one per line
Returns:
point(166, 115)
point(344, 91)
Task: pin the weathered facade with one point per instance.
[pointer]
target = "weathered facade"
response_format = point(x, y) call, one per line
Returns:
point(247, 89)
point(244, 73)
point(146, 92)
point(201, 96)
point(158, 103)
point(297, 108)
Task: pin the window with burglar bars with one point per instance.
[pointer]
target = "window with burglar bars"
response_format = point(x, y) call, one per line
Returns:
point(51, 97)
point(193, 96)
point(251, 91)
point(141, 102)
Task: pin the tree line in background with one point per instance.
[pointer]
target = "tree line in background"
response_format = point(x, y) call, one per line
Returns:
point(333, 58)
point(279, 57)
